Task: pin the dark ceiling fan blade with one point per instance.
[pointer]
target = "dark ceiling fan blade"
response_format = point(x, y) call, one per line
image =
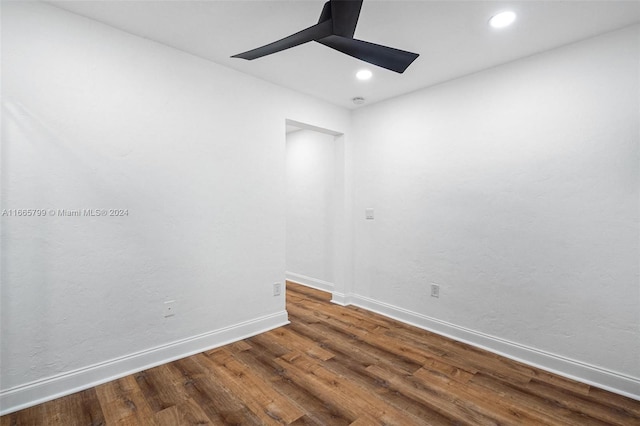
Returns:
point(316, 32)
point(335, 29)
point(386, 57)
point(326, 12)
point(345, 15)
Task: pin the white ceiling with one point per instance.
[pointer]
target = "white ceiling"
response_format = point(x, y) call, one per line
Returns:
point(452, 37)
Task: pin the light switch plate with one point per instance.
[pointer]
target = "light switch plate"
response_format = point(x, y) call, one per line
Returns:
point(368, 213)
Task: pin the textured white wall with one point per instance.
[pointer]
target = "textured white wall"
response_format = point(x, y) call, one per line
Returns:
point(311, 187)
point(515, 189)
point(97, 118)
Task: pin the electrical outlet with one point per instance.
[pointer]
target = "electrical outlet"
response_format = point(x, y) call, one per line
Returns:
point(435, 290)
point(169, 308)
point(277, 289)
point(368, 214)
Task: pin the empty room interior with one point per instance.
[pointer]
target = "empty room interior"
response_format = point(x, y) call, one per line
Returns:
point(320, 212)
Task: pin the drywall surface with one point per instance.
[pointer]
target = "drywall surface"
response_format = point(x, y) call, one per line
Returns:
point(516, 190)
point(186, 157)
point(310, 198)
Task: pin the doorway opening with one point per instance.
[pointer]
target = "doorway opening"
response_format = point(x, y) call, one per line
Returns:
point(316, 247)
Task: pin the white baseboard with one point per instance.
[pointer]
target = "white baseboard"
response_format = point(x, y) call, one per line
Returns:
point(44, 390)
point(309, 281)
point(341, 299)
point(576, 370)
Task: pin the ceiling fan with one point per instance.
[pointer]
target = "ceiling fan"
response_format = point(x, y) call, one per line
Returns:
point(335, 29)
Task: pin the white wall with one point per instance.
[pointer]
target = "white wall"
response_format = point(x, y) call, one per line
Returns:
point(516, 190)
point(311, 193)
point(94, 118)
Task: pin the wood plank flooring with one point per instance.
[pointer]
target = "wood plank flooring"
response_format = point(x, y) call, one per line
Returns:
point(338, 366)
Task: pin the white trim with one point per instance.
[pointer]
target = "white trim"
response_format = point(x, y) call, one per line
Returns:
point(309, 281)
point(305, 126)
point(341, 299)
point(576, 370)
point(44, 390)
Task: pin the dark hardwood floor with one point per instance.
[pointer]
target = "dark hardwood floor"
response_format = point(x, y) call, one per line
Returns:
point(336, 366)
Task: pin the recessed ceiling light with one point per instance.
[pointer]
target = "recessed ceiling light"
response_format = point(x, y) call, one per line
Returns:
point(502, 19)
point(364, 75)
